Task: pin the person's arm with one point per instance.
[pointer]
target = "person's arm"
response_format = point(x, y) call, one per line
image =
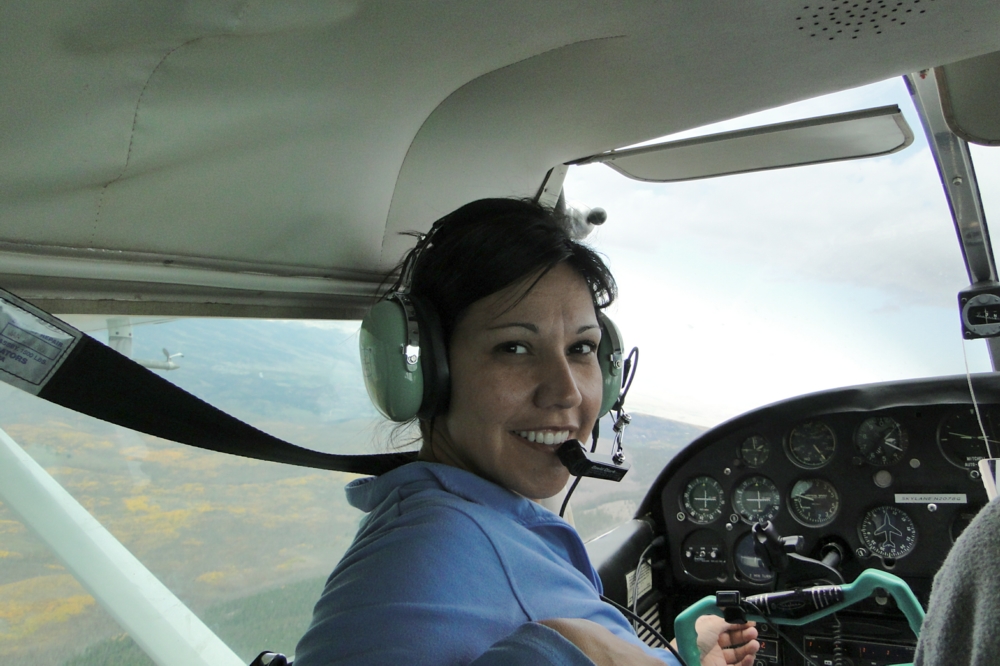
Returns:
point(720, 643)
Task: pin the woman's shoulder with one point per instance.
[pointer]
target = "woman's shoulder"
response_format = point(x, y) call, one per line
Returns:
point(422, 487)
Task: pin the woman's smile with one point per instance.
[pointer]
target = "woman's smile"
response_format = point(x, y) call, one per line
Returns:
point(547, 437)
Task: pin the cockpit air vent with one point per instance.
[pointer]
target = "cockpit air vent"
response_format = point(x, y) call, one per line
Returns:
point(843, 19)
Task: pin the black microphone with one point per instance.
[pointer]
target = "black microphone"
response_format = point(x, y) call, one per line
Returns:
point(595, 465)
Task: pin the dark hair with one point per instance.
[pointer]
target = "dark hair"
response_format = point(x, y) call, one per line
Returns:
point(490, 244)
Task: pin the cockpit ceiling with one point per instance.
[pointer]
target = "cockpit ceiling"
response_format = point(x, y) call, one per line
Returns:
point(159, 156)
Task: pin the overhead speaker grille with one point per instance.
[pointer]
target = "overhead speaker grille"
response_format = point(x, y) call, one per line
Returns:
point(852, 19)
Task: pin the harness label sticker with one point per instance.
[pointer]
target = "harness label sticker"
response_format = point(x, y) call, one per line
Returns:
point(33, 344)
point(645, 574)
point(931, 498)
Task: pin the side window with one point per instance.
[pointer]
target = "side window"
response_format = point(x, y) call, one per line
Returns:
point(245, 544)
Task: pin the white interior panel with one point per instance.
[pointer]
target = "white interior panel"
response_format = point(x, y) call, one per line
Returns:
point(297, 139)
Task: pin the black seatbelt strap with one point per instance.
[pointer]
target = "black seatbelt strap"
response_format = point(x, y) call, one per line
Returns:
point(49, 358)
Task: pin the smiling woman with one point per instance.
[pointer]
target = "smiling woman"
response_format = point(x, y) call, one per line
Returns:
point(453, 557)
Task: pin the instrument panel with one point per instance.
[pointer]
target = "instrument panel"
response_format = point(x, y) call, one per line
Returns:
point(879, 476)
point(885, 475)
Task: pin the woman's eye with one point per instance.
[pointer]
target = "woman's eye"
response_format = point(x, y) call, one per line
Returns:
point(513, 348)
point(584, 348)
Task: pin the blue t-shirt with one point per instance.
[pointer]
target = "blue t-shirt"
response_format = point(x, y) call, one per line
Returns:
point(447, 568)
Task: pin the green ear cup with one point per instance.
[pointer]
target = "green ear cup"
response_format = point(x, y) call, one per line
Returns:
point(611, 357)
point(396, 391)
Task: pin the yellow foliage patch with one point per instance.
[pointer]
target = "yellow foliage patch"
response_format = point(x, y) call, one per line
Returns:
point(164, 456)
point(140, 503)
point(298, 480)
point(291, 563)
point(211, 577)
point(229, 574)
point(11, 527)
point(29, 605)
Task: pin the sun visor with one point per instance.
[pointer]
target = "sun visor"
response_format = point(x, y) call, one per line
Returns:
point(843, 136)
point(970, 98)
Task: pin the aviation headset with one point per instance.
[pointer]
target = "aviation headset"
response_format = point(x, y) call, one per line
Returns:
point(405, 361)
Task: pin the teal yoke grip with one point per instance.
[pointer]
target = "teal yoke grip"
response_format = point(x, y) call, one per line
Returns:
point(861, 588)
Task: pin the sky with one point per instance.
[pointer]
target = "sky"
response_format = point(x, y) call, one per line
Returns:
point(744, 290)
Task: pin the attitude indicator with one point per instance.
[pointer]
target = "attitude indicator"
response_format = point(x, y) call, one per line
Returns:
point(703, 500)
point(757, 499)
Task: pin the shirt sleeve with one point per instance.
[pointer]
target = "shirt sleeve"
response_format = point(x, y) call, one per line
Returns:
point(533, 643)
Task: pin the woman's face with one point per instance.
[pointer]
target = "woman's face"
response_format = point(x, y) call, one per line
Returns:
point(524, 379)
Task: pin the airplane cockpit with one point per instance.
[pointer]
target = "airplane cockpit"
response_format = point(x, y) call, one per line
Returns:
point(200, 203)
point(872, 477)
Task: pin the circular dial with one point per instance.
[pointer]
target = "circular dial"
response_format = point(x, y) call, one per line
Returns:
point(888, 532)
point(881, 440)
point(756, 499)
point(811, 444)
point(814, 502)
point(703, 500)
point(754, 450)
point(961, 439)
point(751, 567)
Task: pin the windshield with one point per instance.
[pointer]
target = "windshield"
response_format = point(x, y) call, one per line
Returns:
point(739, 291)
point(748, 289)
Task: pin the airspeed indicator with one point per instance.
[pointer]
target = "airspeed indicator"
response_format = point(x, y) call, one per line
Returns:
point(703, 500)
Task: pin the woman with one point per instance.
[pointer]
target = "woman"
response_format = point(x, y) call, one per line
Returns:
point(454, 564)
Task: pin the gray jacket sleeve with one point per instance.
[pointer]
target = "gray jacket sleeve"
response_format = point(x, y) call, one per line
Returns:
point(962, 626)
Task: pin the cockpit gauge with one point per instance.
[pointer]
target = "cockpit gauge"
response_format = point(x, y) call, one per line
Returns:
point(703, 555)
point(756, 499)
point(754, 450)
point(961, 439)
point(703, 500)
point(814, 502)
point(888, 532)
point(881, 440)
point(811, 444)
point(749, 566)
